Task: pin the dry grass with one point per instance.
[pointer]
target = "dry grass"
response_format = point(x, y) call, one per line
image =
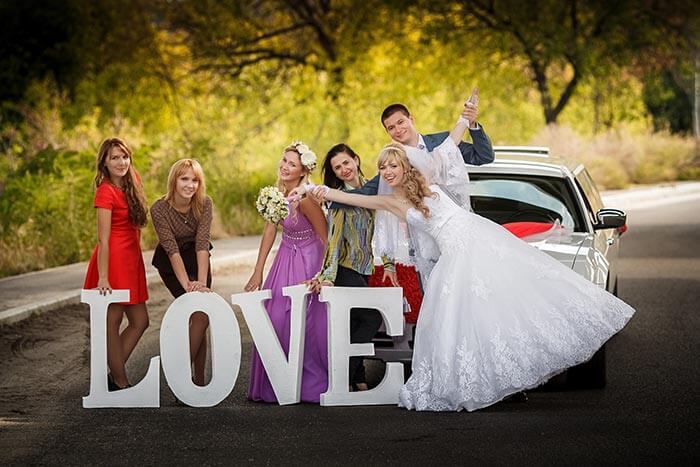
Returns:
point(619, 158)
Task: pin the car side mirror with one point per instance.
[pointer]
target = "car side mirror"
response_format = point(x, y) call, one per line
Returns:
point(610, 218)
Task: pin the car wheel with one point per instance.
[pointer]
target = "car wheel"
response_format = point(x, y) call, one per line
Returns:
point(590, 374)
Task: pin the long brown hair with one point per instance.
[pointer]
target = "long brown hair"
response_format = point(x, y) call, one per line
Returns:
point(179, 168)
point(413, 182)
point(133, 188)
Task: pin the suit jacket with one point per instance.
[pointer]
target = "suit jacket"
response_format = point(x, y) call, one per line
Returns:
point(479, 153)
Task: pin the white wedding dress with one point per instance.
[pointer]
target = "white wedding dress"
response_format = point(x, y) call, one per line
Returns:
point(498, 315)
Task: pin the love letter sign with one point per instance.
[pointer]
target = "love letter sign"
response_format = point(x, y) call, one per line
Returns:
point(284, 371)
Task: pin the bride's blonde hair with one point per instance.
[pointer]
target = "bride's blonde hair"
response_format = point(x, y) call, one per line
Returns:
point(413, 182)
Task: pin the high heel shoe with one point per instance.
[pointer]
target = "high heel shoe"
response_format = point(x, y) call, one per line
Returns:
point(111, 385)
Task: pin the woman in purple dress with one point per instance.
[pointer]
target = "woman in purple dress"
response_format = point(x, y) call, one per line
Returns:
point(298, 259)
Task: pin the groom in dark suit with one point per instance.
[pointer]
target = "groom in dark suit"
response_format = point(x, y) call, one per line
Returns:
point(399, 124)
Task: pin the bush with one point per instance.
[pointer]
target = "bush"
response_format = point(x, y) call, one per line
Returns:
point(619, 158)
point(235, 201)
point(664, 157)
point(44, 213)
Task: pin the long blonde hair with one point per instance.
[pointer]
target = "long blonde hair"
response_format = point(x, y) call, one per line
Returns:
point(413, 183)
point(176, 171)
point(306, 171)
point(135, 197)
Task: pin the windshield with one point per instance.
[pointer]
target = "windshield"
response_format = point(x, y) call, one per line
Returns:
point(507, 198)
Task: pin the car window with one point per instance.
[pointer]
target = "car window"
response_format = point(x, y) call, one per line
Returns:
point(590, 194)
point(505, 198)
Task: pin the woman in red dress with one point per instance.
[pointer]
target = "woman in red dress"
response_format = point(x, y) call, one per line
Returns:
point(116, 262)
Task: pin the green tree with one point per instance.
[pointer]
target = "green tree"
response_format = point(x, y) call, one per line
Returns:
point(71, 42)
point(562, 42)
point(232, 37)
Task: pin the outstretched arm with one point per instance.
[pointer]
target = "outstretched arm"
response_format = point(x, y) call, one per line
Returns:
point(369, 188)
point(387, 203)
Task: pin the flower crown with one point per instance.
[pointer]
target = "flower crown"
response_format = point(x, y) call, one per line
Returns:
point(306, 155)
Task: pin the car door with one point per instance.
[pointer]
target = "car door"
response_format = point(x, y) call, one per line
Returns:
point(605, 241)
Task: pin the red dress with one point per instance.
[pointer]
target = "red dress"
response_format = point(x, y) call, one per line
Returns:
point(126, 269)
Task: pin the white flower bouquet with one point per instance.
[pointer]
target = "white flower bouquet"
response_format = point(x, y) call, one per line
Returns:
point(272, 205)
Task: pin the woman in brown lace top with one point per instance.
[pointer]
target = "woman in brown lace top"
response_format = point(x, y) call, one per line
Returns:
point(182, 219)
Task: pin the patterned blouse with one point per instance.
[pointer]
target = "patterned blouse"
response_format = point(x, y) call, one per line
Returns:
point(350, 232)
point(175, 229)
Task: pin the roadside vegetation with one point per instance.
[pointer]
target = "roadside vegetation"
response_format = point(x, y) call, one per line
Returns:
point(185, 80)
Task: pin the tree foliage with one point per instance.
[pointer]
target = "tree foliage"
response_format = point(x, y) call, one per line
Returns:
point(232, 82)
point(233, 36)
point(69, 42)
point(562, 43)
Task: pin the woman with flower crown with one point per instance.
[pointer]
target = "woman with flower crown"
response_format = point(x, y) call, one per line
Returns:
point(298, 259)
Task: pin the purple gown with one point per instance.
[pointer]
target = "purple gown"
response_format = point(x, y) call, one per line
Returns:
point(299, 258)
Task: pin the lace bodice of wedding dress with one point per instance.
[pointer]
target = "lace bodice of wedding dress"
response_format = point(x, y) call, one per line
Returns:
point(447, 222)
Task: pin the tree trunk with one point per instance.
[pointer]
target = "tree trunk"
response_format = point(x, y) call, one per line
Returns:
point(597, 101)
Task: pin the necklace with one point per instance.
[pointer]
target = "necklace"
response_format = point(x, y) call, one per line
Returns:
point(184, 216)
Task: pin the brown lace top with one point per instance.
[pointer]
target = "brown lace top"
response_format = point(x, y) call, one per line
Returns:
point(175, 229)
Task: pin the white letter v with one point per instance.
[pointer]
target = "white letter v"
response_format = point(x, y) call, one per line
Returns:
point(284, 373)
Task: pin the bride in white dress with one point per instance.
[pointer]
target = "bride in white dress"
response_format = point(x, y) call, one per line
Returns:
point(498, 316)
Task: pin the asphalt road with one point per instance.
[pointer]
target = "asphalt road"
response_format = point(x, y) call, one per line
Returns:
point(647, 414)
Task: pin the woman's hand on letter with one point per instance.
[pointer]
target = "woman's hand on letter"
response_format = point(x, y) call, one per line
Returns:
point(315, 285)
point(104, 287)
point(393, 278)
point(196, 286)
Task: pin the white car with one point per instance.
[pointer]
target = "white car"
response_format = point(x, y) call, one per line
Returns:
point(526, 184)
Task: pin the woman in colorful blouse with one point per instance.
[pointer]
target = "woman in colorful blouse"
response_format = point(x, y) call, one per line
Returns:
point(348, 260)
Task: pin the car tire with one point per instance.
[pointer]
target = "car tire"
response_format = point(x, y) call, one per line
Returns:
point(590, 374)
